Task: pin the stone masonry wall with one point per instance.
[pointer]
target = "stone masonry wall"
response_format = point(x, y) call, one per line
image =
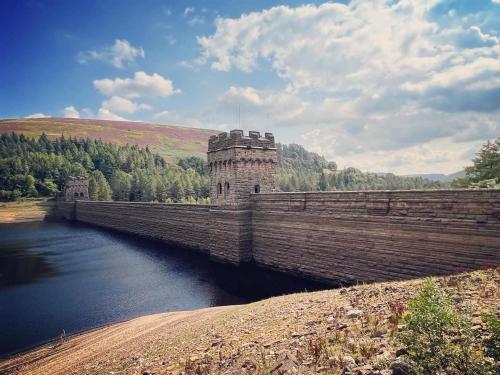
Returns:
point(330, 236)
point(224, 234)
point(375, 236)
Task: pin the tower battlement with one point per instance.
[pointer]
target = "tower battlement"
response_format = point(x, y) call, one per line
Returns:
point(240, 165)
point(236, 138)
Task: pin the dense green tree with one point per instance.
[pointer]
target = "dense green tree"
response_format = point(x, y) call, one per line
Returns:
point(99, 189)
point(323, 182)
point(195, 163)
point(485, 171)
point(177, 191)
point(93, 190)
point(29, 186)
point(120, 185)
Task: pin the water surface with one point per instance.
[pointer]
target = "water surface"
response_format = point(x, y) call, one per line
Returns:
point(57, 276)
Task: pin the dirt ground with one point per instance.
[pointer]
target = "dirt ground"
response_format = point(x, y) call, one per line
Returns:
point(341, 331)
point(23, 211)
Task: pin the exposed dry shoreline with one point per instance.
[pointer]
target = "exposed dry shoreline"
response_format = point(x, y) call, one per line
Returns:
point(277, 335)
point(25, 211)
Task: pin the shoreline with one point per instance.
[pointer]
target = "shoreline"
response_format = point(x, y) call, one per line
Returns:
point(273, 333)
point(26, 211)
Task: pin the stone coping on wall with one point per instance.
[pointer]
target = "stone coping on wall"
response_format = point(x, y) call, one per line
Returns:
point(381, 191)
point(182, 206)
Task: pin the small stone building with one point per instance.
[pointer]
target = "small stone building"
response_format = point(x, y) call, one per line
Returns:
point(76, 188)
point(240, 165)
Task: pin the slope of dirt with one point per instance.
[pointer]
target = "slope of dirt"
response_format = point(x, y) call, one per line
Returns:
point(168, 140)
point(348, 331)
point(24, 211)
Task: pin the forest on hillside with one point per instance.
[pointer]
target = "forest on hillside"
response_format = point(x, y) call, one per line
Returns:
point(32, 167)
point(39, 167)
point(301, 170)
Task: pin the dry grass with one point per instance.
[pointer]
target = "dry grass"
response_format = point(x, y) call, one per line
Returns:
point(25, 210)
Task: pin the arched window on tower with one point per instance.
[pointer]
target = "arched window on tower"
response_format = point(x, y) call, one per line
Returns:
point(256, 189)
point(76, 194)
point(219, 189)
point(226, 189)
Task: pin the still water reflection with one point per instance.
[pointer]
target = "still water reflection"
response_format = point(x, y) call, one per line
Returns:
point(59, 276)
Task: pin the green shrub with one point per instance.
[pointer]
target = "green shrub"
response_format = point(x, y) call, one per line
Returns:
point(492, 342)
point(437, 339)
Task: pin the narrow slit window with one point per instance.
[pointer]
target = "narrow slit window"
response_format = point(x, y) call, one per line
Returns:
point(256, 189)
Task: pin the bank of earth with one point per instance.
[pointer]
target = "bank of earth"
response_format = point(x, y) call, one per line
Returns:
point(276, 335)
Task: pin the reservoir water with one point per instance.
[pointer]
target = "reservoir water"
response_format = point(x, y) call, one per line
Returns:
point(60, 277)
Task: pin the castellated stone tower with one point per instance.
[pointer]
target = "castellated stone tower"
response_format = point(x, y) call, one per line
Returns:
point(76, 188)
point(239, 166)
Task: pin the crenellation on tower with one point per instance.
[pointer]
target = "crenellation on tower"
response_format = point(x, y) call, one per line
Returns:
point(236, 138)
point(240, 165)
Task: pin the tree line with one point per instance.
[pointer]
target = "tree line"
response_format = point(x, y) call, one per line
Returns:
point(302, 170)
point(40, 167)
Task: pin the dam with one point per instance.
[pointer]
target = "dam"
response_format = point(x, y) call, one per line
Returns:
point(335, 237)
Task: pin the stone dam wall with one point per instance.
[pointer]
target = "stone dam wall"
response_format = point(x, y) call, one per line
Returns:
point(375, 236)
point(225, 234)
point(328, 236)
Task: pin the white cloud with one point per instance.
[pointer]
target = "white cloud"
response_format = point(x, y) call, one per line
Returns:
point(120, 53)
point(106, 114)
point(188, 10)
point(251, 100)
point(161, 115)
point(71, 112)
point(142, 85)
point(196, 20)
point(195, 120)
point(121, 105)
point(37, 115)
point(87, 113)
point(356, 49)
point(369, 76)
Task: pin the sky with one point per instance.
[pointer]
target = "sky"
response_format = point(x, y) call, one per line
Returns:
point(402, 86)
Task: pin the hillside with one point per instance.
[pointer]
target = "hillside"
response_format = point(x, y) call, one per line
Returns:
point(169, 141)
point(340, 331)
point(438, 176)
